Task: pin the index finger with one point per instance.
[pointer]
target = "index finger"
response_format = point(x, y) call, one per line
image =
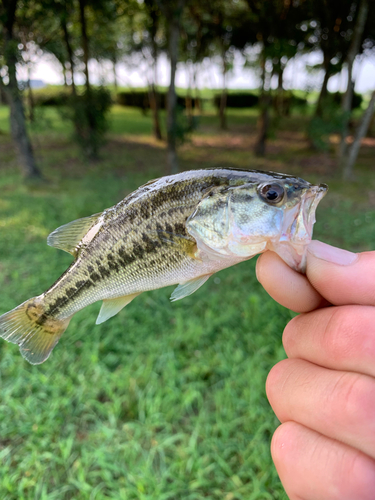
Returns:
point(288, 287)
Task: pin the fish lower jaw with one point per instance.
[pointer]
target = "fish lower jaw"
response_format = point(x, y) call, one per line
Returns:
point(294, 255)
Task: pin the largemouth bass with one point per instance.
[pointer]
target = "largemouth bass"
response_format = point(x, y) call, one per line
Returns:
point(179, 229)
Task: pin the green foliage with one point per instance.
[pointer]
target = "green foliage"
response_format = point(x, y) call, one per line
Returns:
point(321, 127)
point(88, 112)
point(138, 99)
point(51, 96)
point(336, 98)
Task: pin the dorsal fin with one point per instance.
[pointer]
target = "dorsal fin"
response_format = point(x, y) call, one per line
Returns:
point(68, 236)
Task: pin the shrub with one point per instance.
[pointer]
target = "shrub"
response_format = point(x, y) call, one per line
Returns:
point(51, 96)
point(88, 112)
point(238, 100)
point(284, 102)
point(140, 99)
point(337, 98)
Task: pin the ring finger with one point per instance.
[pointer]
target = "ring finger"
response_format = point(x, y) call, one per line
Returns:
point(337, 404)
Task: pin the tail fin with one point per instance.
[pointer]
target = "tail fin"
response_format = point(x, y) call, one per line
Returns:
point(35, 332)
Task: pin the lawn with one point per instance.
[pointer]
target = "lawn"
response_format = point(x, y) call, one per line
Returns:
point(165, 400)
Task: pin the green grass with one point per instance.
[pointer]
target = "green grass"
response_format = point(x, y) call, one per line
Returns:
point(165, 400)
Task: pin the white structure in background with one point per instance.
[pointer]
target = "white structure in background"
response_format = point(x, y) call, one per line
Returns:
point(47, 70)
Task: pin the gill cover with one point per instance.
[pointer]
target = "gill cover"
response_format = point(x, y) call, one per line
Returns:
point(234, 222)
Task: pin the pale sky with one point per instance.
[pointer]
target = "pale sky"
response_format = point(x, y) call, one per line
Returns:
point(295, 76)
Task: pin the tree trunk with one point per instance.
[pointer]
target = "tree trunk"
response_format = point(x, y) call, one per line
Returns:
point(85, 43)
point(17, 116)
point(280, 110)
point(360, 134)
point(323, 90)
point(114, 75)
point(223, 98)
point(263, 125)
point(154, 104)
point(64, 74)
point(263, 119)
point(197, 103)
point(189, 98)
point(30, 97)
point(70, 53)
point(154, 98)
point(173, 13)
point(172, 98)
point(346, 105)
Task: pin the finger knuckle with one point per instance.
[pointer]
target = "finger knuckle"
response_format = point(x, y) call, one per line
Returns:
point(354, 395)
point(356, 476)
point(344, 332)
point(291, 334)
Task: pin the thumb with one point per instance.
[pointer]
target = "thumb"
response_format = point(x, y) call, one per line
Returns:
point(340, 276)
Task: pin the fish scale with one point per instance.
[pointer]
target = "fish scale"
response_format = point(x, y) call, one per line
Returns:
point(178, 229)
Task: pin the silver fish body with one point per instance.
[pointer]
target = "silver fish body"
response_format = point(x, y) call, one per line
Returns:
point(178, 229)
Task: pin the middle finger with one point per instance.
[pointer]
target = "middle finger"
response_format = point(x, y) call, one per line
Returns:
point(340, 338)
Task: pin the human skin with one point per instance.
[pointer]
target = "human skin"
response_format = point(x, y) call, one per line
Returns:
point(324, 393)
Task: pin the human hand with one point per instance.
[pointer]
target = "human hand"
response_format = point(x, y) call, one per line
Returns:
point(324, 393)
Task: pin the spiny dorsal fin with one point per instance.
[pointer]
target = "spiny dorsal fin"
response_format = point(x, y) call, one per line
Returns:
point(111, 307)
point(189, 287)
point(68, 236)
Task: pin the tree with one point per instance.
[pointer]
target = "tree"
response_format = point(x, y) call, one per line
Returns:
point(148, 40)
point(352, 53)
point(328, 29)
point(9, 12)
point(276, 27)
point(172, 11)
point(360, 134)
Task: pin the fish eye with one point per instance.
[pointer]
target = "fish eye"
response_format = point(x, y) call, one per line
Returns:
point(271, 193)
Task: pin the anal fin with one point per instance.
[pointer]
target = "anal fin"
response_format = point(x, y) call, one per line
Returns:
point(189, 287)
point(111, 307)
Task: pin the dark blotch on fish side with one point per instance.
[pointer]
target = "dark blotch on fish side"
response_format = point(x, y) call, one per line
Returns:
point(43, 318)
point(133, 214)
point(95, 277)
point(180, 229)
point(145, 210)
point(70, 292)
point(125, 258)
point(105, 273)
point(138, 250)
point(56, 305)
point(150, 244)
point(113, 265)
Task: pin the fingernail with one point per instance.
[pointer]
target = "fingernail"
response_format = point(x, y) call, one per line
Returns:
point(328, 253)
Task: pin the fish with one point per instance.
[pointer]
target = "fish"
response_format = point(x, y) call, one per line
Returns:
point(175, 230)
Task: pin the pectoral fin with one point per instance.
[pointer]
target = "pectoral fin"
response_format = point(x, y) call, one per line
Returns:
point(184, 244)
point(68, 236)
point(111, 307)
point(189, 287)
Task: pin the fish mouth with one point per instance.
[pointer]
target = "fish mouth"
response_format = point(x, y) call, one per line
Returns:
point(297, 228)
